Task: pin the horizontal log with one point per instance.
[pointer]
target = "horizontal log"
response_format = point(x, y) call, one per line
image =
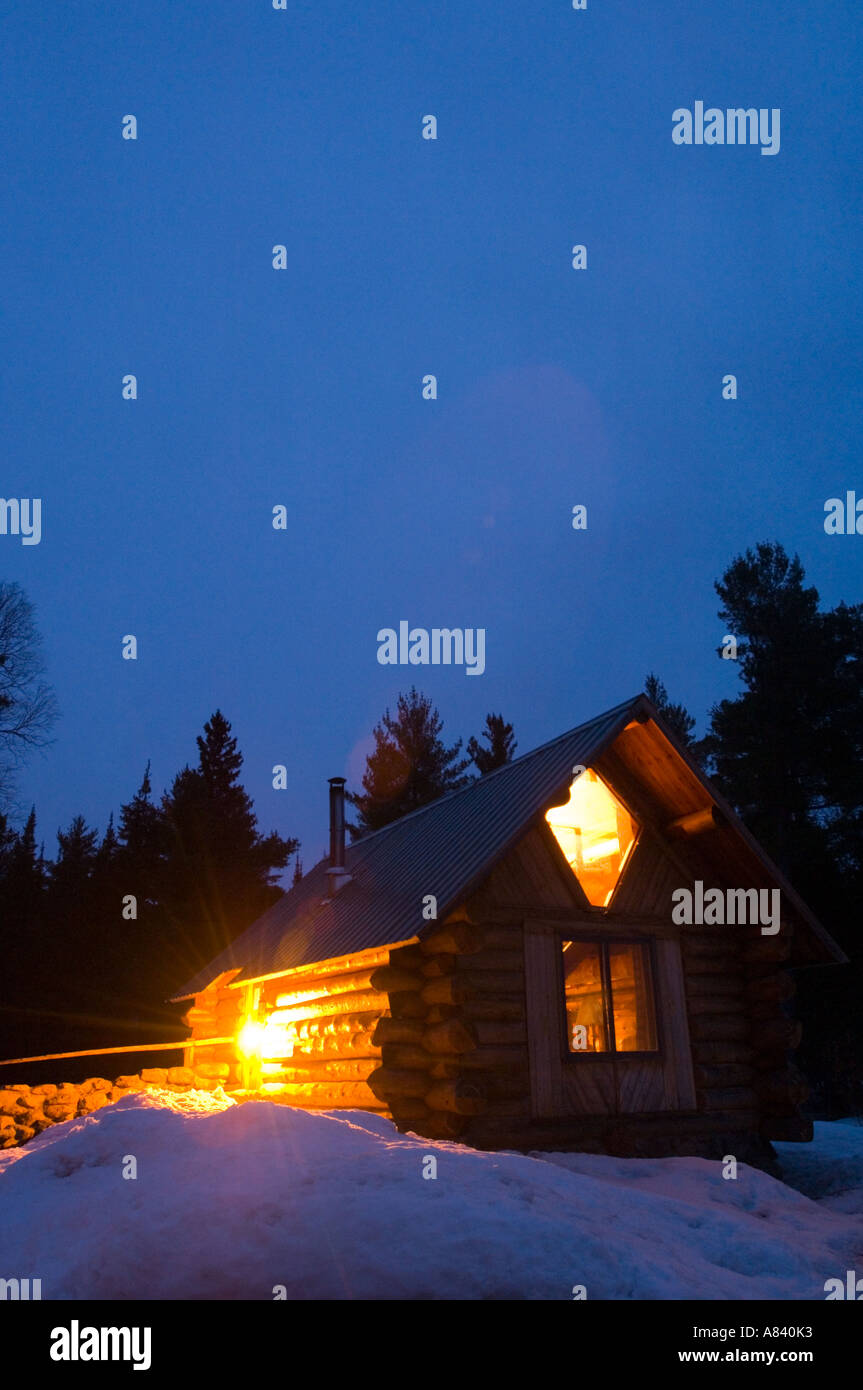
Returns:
point(358, 1045)
point(324, 986)
point(406, 1055)
point(784, 1033)
point(394, 980)
point(497, 1082)
point(696, 823)
point(503, 936)
point(327, 1069)
point(439, 1124)
point(494, 1059)
point(727, 966)
point(453, 1036)
point(325, 1095)
point(764, 1012)
point(777, 987)
point(698, 1005)
point(446, 1068)
point(454, 938)
point(360, 1001)
point(767, 948)
point(331, 1025)
point(506, 1010)
point(729, 1098)
point(721, 1052)
point(399, 1030)
point(720, 986)
point(441, 1013)
point(513, 1106)
point(496, 1034)
point(488, 959)
point(458, 1096)
point(456, 988)
point(406, 1003)
point(407, 957)
point(718, 1027)
point(725, 1074)
point(436, 966)
point(708, 941)
point(387, 1082)
point(381, 977)
point(409, 1109)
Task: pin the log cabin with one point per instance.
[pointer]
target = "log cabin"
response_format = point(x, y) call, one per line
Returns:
point(505, 966)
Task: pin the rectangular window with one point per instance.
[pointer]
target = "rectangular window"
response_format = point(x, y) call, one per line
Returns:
point(608, 994)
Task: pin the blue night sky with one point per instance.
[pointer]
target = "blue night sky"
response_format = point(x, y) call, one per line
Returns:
point(406, 257)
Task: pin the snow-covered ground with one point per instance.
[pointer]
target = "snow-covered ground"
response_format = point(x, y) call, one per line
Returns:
point(231, 1201)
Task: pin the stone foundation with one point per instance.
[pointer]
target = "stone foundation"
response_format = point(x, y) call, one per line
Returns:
point(27, 1110)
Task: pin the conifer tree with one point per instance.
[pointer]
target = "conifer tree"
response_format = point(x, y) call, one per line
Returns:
point(220, 872)
point(409, 766)
point(501, 745)
point(677, 717)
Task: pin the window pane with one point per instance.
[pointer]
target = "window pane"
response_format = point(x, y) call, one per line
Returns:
point(596, 835)
point(632, 999)
point(585, 1012)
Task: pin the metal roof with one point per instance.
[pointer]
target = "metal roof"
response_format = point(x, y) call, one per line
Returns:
point(445, 848)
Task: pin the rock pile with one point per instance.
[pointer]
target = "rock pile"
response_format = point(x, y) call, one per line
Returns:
point(26, 1110)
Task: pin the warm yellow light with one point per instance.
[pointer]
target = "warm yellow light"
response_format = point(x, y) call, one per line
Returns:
point(601, 849)
point(250, 1039)
point(596, 834)
point(270, 1039)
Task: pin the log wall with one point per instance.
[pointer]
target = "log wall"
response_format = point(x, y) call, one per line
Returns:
point(434, 1035)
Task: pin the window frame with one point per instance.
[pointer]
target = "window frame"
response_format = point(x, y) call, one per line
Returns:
point(604, 942)
point(638, 822)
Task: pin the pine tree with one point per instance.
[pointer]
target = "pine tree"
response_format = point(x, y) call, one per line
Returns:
point(220, 872)
point(142, 845)
point(23, 878)
point(501, 745)
point(788, 754)
point(677, 717)
point(409, 766)
point(24, 947)
point(776, 749)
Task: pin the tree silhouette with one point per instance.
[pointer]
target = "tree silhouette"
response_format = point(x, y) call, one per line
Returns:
point(27, 705)
point(220, 872)
point(409, 766)
point(677, 717)
point(501, 745)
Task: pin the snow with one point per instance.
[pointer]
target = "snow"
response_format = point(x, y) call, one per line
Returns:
point(232, 1200)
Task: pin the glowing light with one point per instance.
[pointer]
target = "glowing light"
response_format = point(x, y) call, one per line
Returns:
point(259, 1040)
point(596, 834)
point(250, 1039)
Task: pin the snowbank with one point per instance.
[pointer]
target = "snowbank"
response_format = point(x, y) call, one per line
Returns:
point(231, 1201)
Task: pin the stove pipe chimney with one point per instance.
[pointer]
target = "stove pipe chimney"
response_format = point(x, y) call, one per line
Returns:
point(338, 874)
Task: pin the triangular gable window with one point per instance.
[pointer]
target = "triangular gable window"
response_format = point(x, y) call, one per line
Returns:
point(596, 835)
